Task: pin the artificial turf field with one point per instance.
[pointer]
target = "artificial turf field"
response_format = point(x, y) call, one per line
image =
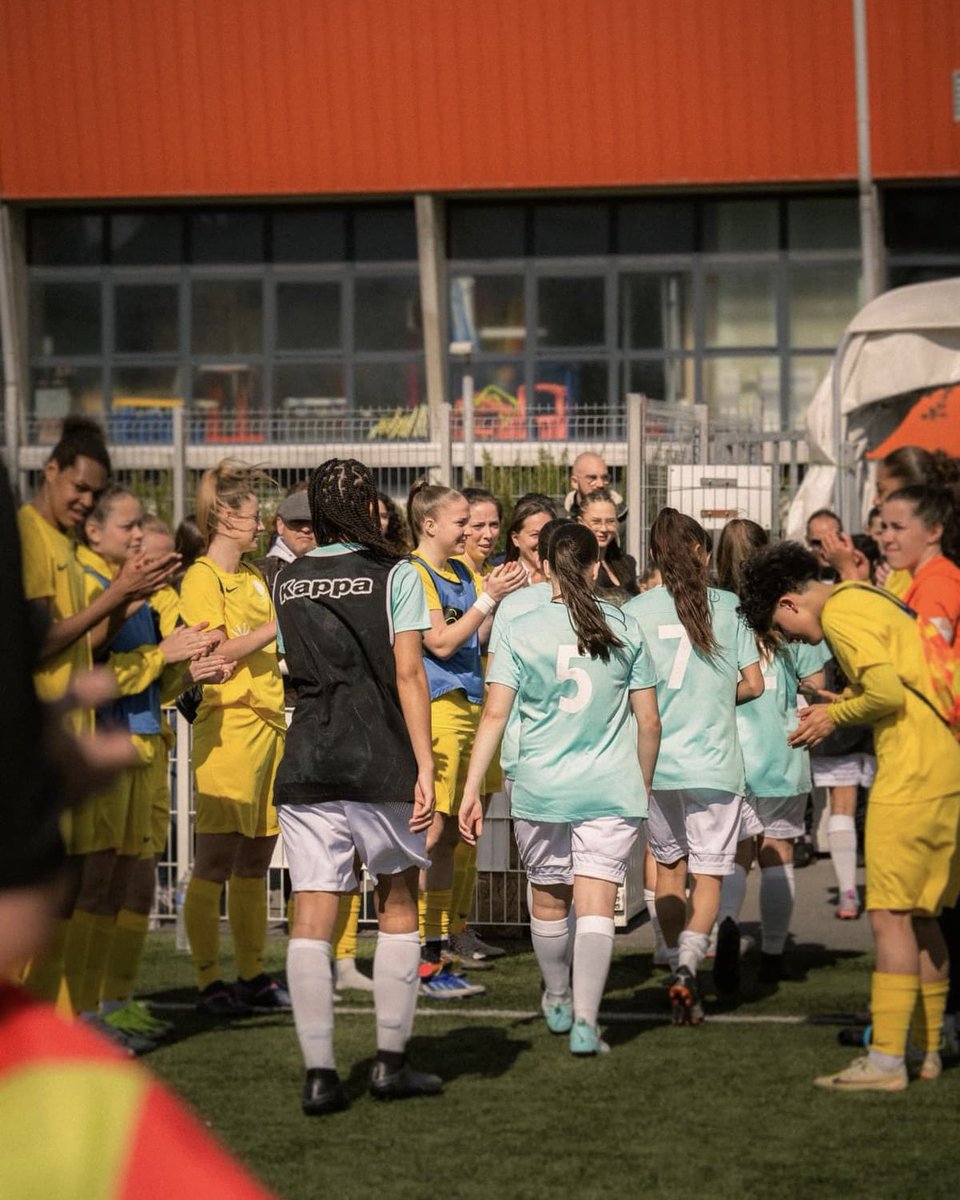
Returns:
point(726, 1109)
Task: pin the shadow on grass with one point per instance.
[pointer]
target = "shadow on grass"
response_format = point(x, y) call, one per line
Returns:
point(800, 960)
point(486, 1051)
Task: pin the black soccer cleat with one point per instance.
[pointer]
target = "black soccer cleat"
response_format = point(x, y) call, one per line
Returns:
point(323, 1093)
point(402, 1083)
point(685, 1004)
point(726, 962)
point(771, 968)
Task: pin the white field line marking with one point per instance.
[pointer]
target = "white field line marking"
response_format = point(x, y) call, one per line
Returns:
point(453, 1009)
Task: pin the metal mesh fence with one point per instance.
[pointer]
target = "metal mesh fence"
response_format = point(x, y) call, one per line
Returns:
point(657, 454)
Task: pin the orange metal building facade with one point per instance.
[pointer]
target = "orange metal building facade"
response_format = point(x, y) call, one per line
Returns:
point(103, 99)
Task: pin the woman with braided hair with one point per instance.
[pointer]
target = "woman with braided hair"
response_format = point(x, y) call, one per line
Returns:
point(356, 779)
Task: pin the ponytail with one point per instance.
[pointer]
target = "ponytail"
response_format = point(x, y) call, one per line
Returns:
point(573, 549)
point(678, 546)
point(225, 486)
point(423, 501)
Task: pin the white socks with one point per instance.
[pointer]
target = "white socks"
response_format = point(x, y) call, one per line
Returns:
point(660, 946)
point(776, 906)
point(692, 950)
point(551, 944)
point(346, 975)
point(310, 981)
point(395, 986)
point(733, 892)
point(591, 964)
point(842, 839)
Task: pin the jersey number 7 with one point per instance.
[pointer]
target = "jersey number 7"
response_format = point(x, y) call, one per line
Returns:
point(565, 671)
point(667, 633)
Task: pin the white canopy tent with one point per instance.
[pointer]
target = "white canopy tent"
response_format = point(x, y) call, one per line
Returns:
point(903, 343)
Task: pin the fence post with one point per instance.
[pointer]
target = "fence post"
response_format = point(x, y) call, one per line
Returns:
point(636, 474)
point(445, 466)
point(179, 465)
point(702, 454)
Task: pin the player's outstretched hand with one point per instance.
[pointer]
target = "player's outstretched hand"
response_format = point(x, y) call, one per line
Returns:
point(424, 803)
point(815, 725)
point(188, 641)
point(87, 765)
point(141, 575)
point(504, 579)
point(213, 668)
point(471, 818)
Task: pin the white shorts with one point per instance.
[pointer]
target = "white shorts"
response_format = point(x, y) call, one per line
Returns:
point(750, 823)
point(699, 824)
point(320, 842)
point(553, 852)
point(843, 770)
point(780, 817)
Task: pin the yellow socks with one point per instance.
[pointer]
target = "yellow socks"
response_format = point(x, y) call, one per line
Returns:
point(201, 915)
point(345, 930)
point(464, 885)
point(75, 956)
point(45, 972)
point(126, 953)
point(892, 1001)
point(928, 1015)
point(247, 910)
point(98, 948)
point(435, 909)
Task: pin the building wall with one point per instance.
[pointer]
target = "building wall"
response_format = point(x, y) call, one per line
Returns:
point(166, 98)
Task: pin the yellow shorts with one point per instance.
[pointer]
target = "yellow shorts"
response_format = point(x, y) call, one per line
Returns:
point(120, 818)
point(454, 722)
point(160, 802)
point(235, 758)
point(912, 856)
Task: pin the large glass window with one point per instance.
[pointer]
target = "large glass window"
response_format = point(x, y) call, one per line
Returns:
point(571, 228)
point(389, 385)
point(308, 316)
point(807, 372)
point(656, 311)
point(310, 235)
point(65, 239)
point(147, 382)
point(385, 233)
point(670, 379)
point(823, 223)
point(227, 400)
point(487, 230)
point(822, 301)
point(922, 220)
point(490, 310)
point(656, 227)
point(387, 313)
point(227, 316)
point(740, 226)
point(146, 318)
point(743, 390)
point(146, 238)
point(741, 306)
point(565, 386)
point(231, 235)
point(571, 311)
point(305, 390)
point(59, 390)
point(65, 318)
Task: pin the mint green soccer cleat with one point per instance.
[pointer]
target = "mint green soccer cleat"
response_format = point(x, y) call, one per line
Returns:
point(557, 1012)
point(585, 1039)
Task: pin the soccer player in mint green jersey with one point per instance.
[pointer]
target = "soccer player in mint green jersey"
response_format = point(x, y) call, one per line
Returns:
point(706, 661)
point(777, 776)
point(589, 733)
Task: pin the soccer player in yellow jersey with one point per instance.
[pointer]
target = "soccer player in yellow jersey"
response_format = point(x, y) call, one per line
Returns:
point(70, 628)
point(238, 741)
point(913, 867)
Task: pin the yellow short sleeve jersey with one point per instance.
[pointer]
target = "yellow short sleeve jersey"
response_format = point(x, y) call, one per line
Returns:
point(53, 575)
point(238, 603)
point(917, 755)
point(898, 583)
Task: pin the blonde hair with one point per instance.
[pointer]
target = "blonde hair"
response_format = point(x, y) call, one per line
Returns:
point(424, 500)
point(226, 486)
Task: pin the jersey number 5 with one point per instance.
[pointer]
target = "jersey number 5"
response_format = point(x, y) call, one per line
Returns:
point(667, 633)
point(584, 691)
